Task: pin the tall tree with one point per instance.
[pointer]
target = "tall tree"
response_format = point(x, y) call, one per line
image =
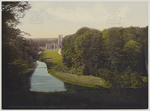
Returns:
point(14, 52)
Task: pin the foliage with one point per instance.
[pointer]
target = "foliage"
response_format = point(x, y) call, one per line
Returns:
point(126, 79)
point(12, 12)
point(78, 48)
point(56, 68)
point(18, 66)
point(129, 79)
point(18, 53)
point(132, 45)
point(108, 54)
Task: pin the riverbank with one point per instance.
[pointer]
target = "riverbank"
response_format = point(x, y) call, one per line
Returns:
point(56, 68)
point(18, 92)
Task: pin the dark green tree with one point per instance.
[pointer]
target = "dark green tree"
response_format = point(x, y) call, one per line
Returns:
point(109, 54)
point(17, 53)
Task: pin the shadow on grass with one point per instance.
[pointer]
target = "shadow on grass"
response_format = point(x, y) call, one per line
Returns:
point(81, 99)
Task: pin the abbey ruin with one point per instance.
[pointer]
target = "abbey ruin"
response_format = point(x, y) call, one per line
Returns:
point(54, 45)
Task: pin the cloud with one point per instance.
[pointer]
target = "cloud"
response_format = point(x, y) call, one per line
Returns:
point(39, 4)
point(67, 17)
point(82, 13)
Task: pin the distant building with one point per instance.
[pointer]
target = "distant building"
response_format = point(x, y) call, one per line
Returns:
point(55, 46)
point(60, 38)
point(52, 46)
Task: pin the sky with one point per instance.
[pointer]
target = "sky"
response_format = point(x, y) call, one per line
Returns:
point(49, 19)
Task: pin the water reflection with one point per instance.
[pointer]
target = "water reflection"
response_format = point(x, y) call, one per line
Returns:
point(42, 81)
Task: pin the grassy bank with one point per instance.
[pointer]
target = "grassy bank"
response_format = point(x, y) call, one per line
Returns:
point(57, 69)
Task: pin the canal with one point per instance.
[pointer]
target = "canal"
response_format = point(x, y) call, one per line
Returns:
point(42, 81)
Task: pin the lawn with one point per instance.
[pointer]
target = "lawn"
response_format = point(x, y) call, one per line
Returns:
point(56, 67)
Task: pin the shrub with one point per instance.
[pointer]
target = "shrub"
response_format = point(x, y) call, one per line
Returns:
point(18, 66)
point(130, 79)
point(127, 79)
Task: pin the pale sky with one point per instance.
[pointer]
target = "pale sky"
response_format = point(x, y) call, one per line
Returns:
point(49, 19)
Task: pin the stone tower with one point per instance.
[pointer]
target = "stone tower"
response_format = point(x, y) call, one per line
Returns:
point(60, 38)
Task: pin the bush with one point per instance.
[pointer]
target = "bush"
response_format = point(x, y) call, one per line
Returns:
point(128, 78)
point(18, 66)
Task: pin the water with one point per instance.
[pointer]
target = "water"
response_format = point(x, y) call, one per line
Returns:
point(42, 81)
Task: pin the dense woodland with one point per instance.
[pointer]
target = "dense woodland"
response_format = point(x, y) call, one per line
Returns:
point(118, 55)
point(18, 53)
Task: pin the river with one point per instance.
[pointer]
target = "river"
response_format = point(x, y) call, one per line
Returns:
point(42, 81)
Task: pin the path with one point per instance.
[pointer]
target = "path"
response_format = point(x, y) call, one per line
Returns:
point(59, 52)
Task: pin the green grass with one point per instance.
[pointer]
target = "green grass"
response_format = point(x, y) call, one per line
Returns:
point(52, 55)
point(56, 67)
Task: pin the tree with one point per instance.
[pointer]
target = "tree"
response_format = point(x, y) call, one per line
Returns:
point(113, 45)
point(16, 51)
